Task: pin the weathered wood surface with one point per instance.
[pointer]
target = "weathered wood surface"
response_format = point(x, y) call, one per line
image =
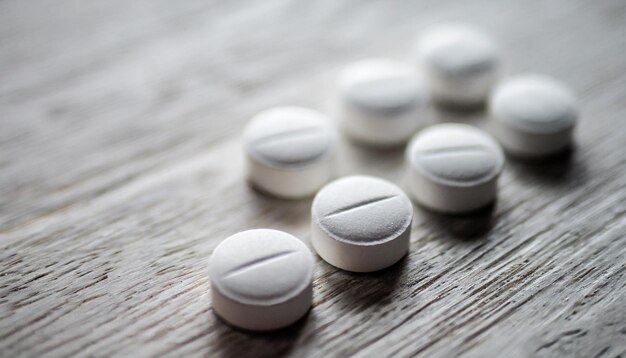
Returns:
point(121, 171)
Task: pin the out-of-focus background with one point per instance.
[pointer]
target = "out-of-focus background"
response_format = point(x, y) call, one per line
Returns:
point(120, 171)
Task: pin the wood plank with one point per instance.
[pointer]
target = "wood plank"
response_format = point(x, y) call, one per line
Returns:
point(121, 172)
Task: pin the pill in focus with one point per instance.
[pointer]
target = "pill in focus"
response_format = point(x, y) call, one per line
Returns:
point(261, 279)
point(361, 223)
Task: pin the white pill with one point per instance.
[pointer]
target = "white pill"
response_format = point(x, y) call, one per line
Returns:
point(459, 62)
point(533, 115)
point(361, 223)
point(380, 102)
point(454, 168)
point(290, 151)
point(261, 279)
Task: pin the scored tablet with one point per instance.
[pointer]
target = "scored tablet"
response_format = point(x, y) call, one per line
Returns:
point(453, 168)
point(361, 223)
point(261, 279)
point(290, 151)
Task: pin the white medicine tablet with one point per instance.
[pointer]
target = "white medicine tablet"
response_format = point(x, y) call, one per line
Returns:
point(290, 151)
point(361, 223)
point(380, 102)
point(459, 62)
point(261, 279)
point(454, 168)
point(533, 115)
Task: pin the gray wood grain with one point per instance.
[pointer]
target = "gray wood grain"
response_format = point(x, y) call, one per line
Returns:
point(121, 171)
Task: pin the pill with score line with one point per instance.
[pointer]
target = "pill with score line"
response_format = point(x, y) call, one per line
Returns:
point(453, 168)
point(361, 223)
point(261, 279)
point(289, 151)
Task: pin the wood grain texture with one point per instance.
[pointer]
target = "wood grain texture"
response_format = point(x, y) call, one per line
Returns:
point(121, 171)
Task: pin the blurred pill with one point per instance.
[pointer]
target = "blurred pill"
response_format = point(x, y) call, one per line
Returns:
point(380, 102)
point(290, 151)
point(533, 115)
point(459, 62)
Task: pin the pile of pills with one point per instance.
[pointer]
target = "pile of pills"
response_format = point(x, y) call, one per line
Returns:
point(262, 279)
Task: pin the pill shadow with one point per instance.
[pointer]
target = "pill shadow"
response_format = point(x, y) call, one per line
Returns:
point(459, 109)
point(454, 113)
point(562, 168)
point(287, 213)
point(363, 291)
point(234, 342)
point(471, 226)
point(358, 158)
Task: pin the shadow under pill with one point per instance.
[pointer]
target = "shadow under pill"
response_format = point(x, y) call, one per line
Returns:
point(356, 159)
point(233, 342)
point(460, 109)
point(471, 226)
point(470, 114)
point(286, 213)
point(562, 169)
point(362, 291)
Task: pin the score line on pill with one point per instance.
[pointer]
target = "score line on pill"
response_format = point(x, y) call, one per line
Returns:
point(361, 223)
point(453, 168)
point(289, 151)
point(261, 279)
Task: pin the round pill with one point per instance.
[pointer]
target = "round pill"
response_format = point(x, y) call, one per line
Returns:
point(533, 115)
point(380, 102)
point(460, 63)
point(289, 151)
point(361, 223)
point(454, 168)
point(261, 279)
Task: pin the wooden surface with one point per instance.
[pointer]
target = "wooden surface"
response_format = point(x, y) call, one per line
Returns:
point(121, 172)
